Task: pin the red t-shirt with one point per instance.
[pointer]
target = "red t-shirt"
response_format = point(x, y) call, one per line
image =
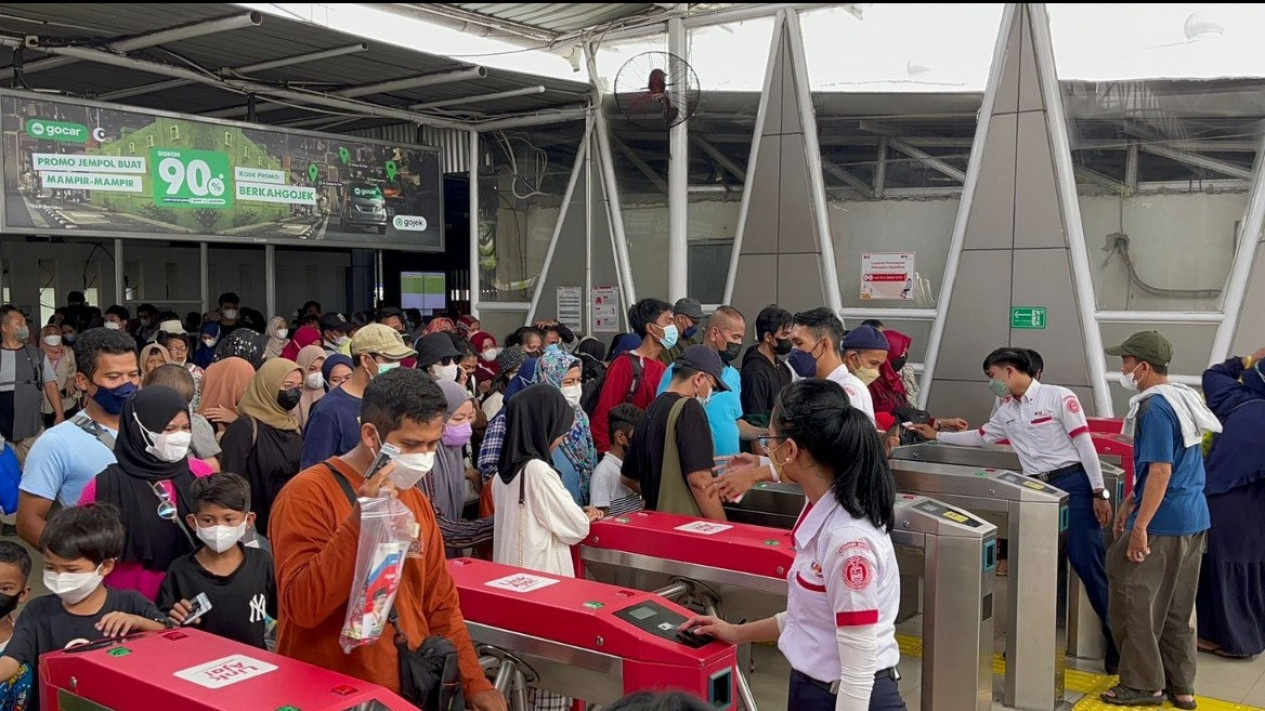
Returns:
point(615, 387)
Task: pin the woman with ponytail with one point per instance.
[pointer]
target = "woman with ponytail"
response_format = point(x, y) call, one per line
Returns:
point(838, 631)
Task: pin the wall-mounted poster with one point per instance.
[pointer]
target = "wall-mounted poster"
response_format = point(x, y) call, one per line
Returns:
point(98, 170)
point(887, 276)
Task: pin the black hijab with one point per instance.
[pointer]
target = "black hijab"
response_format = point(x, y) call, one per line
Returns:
point(150, 540)
point(534, 419)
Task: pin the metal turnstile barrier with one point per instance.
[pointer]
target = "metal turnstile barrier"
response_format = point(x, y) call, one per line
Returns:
point(954, 553)
point(1031, 515)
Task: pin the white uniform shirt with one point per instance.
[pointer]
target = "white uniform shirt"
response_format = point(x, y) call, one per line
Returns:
point(1040, 427)
point(844, 575)
point(858, 395)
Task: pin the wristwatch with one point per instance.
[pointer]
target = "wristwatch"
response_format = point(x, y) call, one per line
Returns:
point(1102, 494)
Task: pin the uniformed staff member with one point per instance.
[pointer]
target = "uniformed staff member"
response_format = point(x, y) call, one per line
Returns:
point(1047, 429)
point(838, 631)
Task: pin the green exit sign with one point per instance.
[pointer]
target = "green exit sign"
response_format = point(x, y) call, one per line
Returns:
point(1032, 317)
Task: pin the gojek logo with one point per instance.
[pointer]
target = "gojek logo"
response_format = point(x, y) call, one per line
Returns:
point(409, 223)
point(46, 130)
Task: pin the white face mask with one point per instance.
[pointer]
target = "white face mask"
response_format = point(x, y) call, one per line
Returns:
point(342, 340)
point(281, 333)
point(166, 447)
point(73, 587)
point(221, 538)
point(113, 325)
point(444, 372)
point(52, 341)
point(488, 355)
point(315, 381)
point(410, 468)
point(209, 342)
point(230, 314)
point(1130, 382)
point(572, 393)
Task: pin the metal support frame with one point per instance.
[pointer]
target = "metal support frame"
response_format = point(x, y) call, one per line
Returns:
point(1241, 268)
point(1131, 168)
point(588, 225)
point(1065, 181)
point(535, 118)
point(849, 179)
point(1198, 161)
point(721, 159)
point(200, 28)
point(204, 275)
point(740, 12)
point(880, 168)
point(757, 138)
point(628, 290)
point(479, 98)
point(475, 291)
point(896, 314)
point(971, 182)
point(812, 155)
point(270, 279)
point(650, 173)
point(678, 180)
point(1189, 317)
point(580, 157)
point(927, 159)
point(120, 279)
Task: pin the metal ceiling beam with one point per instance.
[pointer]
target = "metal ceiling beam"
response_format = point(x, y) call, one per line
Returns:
point(927, 159)
point(536, 118)
point(1093, 176)
point(848, 178)
point(640, 164)
point(479, 98)
point(149, 39)
point(724, 160)
point(735, 13)
point(459, 19)
point(327, 100)
point(1198, 161)
point(244, 69)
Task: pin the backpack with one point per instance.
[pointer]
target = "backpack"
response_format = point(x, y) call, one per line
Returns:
point(593, 389)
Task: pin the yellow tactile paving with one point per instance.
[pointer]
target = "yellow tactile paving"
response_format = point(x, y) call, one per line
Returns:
point(1081, 682)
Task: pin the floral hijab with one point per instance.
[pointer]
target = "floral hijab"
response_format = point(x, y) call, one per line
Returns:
point(551, 368)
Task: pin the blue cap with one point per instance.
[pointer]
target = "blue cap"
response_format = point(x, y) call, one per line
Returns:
point(864, 338)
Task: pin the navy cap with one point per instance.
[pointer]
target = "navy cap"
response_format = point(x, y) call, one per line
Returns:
point(864, 338)
point(707, 360)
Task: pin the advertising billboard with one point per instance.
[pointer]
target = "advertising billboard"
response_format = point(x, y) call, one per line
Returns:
point(96, 170)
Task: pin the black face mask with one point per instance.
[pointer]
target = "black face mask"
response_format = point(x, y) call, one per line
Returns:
point(731, 352)
point(783, 346)
point(289, 399)
point(8, 603)
point(898, 363)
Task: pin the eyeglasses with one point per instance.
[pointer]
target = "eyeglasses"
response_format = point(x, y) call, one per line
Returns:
point(767, 440)
point(166, 508)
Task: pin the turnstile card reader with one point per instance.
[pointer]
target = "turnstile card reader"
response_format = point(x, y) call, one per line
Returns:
point(1033, 514)
point(589, 640)
point(772, 504)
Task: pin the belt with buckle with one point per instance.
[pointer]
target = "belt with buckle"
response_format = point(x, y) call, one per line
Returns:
point(1055, 474)
point(833, 687)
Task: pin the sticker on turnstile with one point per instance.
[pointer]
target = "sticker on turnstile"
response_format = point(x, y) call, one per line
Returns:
point(226, 671)
point(941, 511)
point(703, 528)
point(955, 516)
point(521, 583)
point(594, 605)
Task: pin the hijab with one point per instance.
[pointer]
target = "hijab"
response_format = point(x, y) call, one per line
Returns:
point(552, 368)
point(304, 337)
point(889, 390)
point(245, 344)
point(465, 326)
point(333, 361)
point(260, 400)
point(128, 483)
point(440, 324)
point(152, 348)
point(203, 355)
point(275, 345)
point(526, 378)
point(449, 474)
point(224, 384)
point(308, 356)
point(533, 420)
point(480, 341)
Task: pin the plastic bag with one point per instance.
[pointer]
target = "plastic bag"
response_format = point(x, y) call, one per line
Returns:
point(10, 477)
point(388, 535)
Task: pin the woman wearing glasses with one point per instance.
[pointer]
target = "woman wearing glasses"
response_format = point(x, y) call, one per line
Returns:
point(838, 631)
point(150, 483)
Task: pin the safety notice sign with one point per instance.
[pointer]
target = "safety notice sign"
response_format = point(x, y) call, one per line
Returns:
point(606, 309)
point(887, 276)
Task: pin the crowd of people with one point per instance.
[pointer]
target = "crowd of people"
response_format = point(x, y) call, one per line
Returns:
point(225, 453)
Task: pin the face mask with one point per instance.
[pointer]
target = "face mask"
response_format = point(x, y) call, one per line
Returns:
point(488, 355)
point(999, 388)
point(167, 447)
point(111, 399)
point(731, 352)
point(553, 348)
point(444, 372)
point(669, 336)
point(689, 332)
point(783, 346)
point(230, 314)
point(898, 363)
point(281, 333)
point(70, 337)
point(573, 393)
point(24, 334)
point(73, 587)
point(704, 399)
point(386, 367)
point(803, 363)
point(410, 468)
point(342, 340)
point(147, 322)
point(867, 375)
point(52, 341)
point(8, 603)
point(315, 381)
point(1131, 379)
point(209, 342)
point(458, 435)
point(221, 538)
point(113, 325)
point(289, 399)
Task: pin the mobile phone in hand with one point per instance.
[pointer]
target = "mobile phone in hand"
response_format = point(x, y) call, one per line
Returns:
point(199, 607)
point(387, 453)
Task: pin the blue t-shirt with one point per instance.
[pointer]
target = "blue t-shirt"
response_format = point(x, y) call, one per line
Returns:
point(723, 410)
point(62, 462)
point(1158, 438)
point(332, 429)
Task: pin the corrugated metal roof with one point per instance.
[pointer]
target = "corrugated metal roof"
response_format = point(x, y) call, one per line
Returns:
point(557, 17)
point(275, 38)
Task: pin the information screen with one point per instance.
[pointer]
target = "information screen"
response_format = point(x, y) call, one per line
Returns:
point(427, 291)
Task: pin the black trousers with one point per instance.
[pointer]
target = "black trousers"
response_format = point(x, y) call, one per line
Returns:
point(806, 694)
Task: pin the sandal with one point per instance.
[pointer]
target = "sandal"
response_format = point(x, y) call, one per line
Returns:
point(1120, 695)
point(1179, 704)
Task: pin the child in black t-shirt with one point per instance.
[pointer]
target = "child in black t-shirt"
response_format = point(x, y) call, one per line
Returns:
point(80, 546)
point(15, 575)
point(237, 580)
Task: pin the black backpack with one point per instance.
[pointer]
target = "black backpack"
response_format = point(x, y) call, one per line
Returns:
point(593, 388)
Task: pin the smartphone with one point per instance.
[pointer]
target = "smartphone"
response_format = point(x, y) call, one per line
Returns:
point(201, 605)
point(385, 455)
